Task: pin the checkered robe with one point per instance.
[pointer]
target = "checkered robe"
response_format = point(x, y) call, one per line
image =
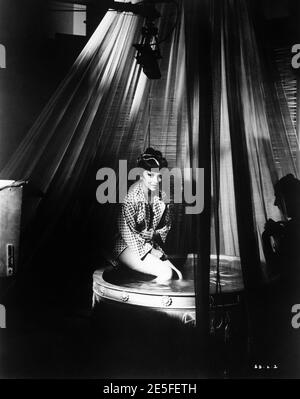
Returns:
point(137, 216)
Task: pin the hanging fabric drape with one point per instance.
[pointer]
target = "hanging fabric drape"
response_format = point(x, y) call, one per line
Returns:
point(198, 83)
point(246, 163)
point(281, 93)
point(211, 109)
point(243, 136)
point(97, 116)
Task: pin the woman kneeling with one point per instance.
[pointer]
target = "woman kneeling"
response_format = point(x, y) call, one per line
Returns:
point(144, 222)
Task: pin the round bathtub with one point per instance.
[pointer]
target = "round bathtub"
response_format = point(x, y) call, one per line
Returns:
point(176, 298)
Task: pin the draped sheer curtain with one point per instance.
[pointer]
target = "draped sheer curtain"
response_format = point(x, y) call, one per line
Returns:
point(247, 163)
point(101, 113)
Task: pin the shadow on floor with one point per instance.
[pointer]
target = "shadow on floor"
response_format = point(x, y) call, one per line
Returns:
point(52, 333)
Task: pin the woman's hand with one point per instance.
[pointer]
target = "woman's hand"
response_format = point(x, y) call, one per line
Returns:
point(147, 234)
point(157, 253)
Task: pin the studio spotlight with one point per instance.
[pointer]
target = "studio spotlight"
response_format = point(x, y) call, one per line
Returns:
point(148, 52)
point(147, 58)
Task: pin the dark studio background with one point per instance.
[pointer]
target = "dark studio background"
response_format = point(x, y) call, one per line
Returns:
point(50, 333)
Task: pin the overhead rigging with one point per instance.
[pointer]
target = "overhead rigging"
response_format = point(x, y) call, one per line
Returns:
point(148, 51)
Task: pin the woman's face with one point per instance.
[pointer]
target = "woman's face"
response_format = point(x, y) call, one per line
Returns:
point(151, 180)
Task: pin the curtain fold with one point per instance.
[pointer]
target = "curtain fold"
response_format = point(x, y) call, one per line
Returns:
point(213, 108)
point(199, 112)
point(99, 115)
point(243, 136)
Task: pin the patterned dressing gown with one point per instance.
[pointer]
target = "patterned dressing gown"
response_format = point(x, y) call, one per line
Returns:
point(138, 216)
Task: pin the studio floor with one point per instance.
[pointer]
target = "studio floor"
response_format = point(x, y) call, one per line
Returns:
point(52, 332)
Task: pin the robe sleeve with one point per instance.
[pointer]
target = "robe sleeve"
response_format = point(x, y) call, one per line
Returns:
point(130, 213)
point(165, 224)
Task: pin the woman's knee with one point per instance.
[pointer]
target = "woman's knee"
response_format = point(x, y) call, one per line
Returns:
point(150, 265)
point(130, 259)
